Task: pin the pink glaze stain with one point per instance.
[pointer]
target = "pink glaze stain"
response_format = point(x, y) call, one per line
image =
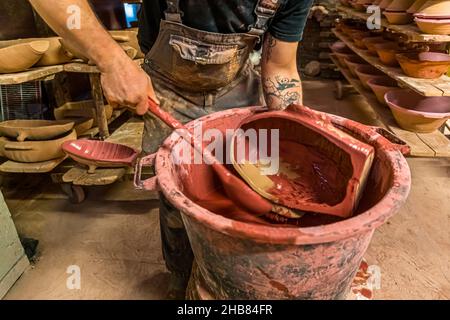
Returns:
point(317, 180)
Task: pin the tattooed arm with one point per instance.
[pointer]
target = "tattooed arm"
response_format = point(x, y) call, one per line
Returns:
point(281, 81)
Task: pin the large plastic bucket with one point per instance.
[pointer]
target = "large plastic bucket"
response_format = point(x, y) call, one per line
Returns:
point(239, 260)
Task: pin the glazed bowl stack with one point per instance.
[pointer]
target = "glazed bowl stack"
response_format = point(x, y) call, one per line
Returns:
point(414, 112)
point(434, 17)
point(31, 141)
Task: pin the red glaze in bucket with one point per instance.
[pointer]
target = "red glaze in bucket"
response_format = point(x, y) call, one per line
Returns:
point(240, 260)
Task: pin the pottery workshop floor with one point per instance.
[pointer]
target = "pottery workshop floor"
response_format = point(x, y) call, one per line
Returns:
point(117, 246)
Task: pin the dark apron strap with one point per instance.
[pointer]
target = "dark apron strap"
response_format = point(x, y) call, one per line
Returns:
point(173, 12)
point(265, 10)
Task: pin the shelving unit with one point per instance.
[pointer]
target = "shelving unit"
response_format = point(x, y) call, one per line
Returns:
point(434, 144)
point(410, 30)
point(426, 87)
point(422, 144)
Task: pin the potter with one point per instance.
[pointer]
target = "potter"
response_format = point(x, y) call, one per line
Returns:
point(197, 63)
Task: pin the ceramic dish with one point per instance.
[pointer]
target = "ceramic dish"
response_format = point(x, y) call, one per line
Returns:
point(34, 129)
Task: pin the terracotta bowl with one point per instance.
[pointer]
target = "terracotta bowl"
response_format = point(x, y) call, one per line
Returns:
point(34, 151)
point(424, 65)
point(380, 86)
point(433, 26)
point(400, 17)
point(34, 129)
point(22, 56)
point(365, 73)
point(370, 44)
point(387, 51)
point(342, 56)
point(434, 10)
point(417, 113)
point(96, 154)
point(354, 62)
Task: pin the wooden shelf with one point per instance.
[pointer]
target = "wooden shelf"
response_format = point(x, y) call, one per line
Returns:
point(81, 67)
point(37, 167)
point(410, 30)
point(30, 75)
point(426, 87)
point(422, 144)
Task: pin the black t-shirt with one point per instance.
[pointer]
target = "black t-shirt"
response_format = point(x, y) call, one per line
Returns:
point(224, 16)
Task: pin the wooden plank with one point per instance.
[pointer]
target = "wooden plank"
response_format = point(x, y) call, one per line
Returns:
point(97, 95)
point(30, 75)
point(80, 67)
point(11, 277)
point(410, 30)
point(418, 147)
point(438, 142)
point(37, 167)
point(102, 176)
point(129, 134)
point(426, 87)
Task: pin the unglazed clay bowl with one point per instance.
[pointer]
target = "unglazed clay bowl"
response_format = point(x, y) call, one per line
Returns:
point(82, 124)
point(370, 44)
point(22, 56)
point(353, 63)
point(56, 54)
point(34, 151)
point(387, 51)
point(424, 65)
point(365, 73)
point(414, 112)
point(342, 56)
point(401, 17)
point(34, 129)
point(100, 154)
point(380, 86)
point(433, 26)
point(434, 10)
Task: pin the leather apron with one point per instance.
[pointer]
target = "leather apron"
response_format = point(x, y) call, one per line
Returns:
point(195, 73)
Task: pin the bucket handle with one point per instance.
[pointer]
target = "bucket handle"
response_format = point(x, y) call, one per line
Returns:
point(150, 184)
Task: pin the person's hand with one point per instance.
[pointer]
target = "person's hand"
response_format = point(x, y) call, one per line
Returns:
point(125, 83)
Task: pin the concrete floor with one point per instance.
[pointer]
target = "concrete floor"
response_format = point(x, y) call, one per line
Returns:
point(116, 244)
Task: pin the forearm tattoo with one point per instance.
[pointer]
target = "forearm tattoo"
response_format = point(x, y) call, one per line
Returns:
point(281, 92)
